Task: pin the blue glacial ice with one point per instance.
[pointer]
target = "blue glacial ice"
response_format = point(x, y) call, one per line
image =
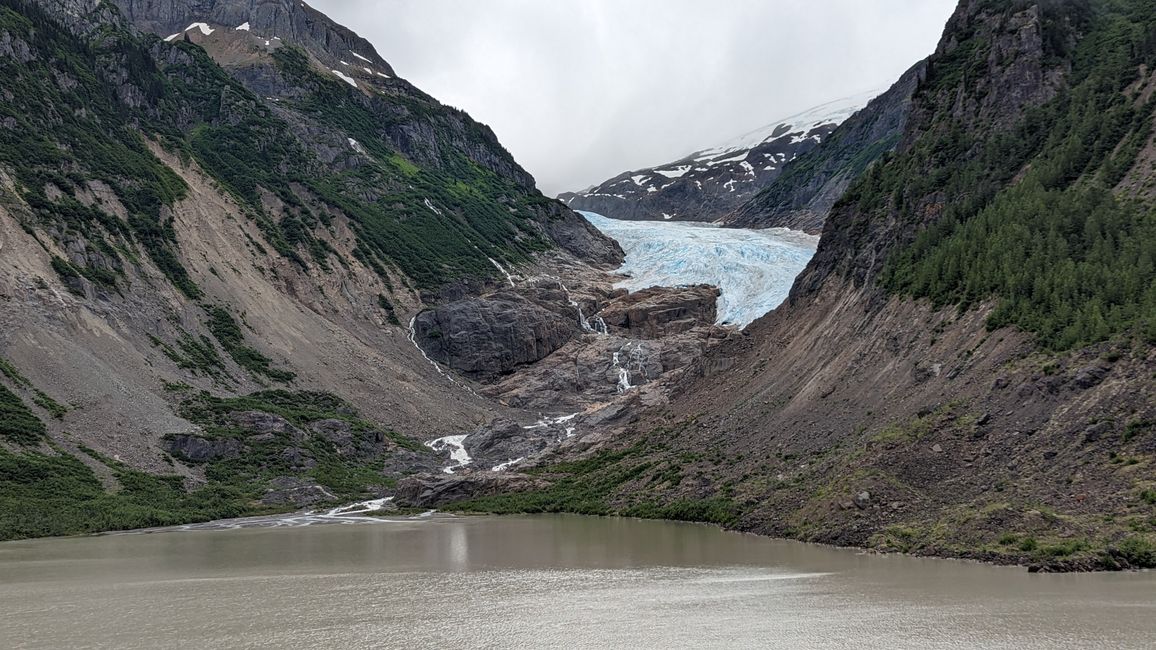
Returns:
point(753, 268)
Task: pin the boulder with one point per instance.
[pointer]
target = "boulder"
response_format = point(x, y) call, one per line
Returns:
point(338, 432)
point(260, 423)
point(1090, 376)
point(287, 490)
point(489, 336)
point(504, 440)
point(202, 450)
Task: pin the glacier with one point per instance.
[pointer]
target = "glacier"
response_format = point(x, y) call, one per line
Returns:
point(754, 269)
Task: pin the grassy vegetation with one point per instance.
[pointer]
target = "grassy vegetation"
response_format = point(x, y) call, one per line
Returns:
point(197, 354)
point(74, 129)
point(593, 487)
point(18, 424)
point(1066, 258)
point(228, 333)
point(45, 494)
point(347, 476)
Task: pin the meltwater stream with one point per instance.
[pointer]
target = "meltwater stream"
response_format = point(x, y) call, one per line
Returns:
point(753, 268)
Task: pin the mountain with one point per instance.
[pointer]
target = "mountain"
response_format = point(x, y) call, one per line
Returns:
point(708, 184)
point(802, 195)
point(216, 219)
point(966, 366)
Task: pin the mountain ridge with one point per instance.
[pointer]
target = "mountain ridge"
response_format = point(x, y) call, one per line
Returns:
point(212, 246)
point(706, 184)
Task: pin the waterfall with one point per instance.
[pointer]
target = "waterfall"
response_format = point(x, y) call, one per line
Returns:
point(437, 367)
point(595, 325)
point(457, 449)
point(509, 278)
point(623, 374)
point(634, 356)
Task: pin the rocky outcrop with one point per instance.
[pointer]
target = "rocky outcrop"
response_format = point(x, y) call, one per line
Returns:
point(436, 490)
point(292, 491)
point(660, 311)
point(197, 449)
point(503, 441)
point(801, 197)
point(488, 336)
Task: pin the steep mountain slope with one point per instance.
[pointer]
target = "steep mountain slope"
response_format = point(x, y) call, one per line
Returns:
point(708, 184)
point(802, 195)
point(967, 366)
point(211, 238)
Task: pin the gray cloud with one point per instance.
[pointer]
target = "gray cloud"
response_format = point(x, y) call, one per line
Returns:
point(580, 90)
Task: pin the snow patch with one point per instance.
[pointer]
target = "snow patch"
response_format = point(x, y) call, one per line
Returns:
point(344, 77)
point(204, 27)
point(711, 161)
point(359, 56)
point(677, 172)
point(835, 112)
point(243, 27)
point(356, 146)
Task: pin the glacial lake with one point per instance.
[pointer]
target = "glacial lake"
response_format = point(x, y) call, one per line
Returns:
point(539, 582)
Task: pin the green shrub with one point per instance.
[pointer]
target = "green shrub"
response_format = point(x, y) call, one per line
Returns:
point(1139, 552)
point(17, 423)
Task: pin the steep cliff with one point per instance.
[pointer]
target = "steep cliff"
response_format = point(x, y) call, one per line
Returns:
point(967, 366)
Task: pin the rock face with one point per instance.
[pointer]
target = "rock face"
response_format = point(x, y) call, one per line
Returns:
point(196, 449)
point(801, 197)
point(436, 490)
point(492, 335)
point(291, 491)
point(657, 312)
point(503, 441)
point(708, 184)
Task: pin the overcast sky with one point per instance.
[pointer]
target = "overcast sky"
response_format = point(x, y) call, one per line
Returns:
point(581, 90)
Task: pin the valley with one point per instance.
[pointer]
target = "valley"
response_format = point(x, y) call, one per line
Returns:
point(269, 307)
